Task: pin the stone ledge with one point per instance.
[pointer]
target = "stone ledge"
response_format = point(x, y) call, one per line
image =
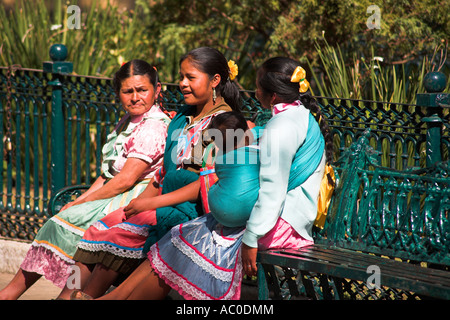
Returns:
point(12, 253)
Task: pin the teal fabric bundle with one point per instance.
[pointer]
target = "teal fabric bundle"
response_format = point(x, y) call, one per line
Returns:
point(233, 196)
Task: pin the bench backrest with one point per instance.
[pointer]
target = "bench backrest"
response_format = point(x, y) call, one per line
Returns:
point(402, 214)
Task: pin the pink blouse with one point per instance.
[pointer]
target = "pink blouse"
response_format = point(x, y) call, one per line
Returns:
point(144, 139)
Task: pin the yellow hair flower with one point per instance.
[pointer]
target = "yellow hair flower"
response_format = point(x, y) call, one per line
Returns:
point(299, 76)
point(233, 69)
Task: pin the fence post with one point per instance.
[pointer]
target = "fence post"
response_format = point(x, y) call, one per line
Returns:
point(58, 67)
point(433, 100)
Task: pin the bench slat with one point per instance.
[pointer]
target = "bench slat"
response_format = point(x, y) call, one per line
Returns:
point(348, 264)
point(343, 257)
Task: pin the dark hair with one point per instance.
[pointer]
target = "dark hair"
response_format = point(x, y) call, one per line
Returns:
point(231, 120)
point(135, 67)
point(274, 76)
point(211, 61)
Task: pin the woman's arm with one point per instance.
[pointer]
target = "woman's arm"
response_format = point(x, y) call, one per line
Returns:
point(142, 203)
point(98, 183)
point(124, 180)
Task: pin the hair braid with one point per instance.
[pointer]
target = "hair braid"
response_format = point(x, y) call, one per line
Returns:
point(311, 104)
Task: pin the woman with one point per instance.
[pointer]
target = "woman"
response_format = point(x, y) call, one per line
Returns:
point(116, 251)
point(131, 156)
point(295, 147)
point(201, 259)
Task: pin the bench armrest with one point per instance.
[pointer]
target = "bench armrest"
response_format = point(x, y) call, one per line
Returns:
point(64, 196)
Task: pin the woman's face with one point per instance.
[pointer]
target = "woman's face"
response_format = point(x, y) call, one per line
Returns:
point(195, 85)
point(138, 95)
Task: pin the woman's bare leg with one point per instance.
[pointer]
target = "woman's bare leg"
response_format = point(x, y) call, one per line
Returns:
point(142, 284)
point(99, 282)
point(152, 288)
point(19, 284)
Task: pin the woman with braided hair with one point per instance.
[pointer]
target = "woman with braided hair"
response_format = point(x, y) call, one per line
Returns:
point(131, 156)
point(295, 147)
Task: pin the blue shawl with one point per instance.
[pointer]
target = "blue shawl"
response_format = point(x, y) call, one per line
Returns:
point(233, 196)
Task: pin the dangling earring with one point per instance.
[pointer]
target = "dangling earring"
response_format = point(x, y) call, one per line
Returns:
point(214, 96)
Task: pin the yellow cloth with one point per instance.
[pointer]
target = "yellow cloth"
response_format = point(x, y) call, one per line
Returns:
point(326, 191)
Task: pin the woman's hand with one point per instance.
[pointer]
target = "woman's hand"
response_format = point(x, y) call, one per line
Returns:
point(249, 260)
point(67, 206)
point(144, 202)
point(138, 205)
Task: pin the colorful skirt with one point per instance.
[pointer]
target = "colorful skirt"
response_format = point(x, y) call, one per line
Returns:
point(200, 259)
point(116, 243)
point(51, 253)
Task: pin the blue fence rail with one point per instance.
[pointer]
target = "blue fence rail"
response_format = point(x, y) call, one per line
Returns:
point(54, 124)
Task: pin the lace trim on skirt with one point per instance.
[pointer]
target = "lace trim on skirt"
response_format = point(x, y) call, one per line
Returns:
point(186, 289)
point(130, 253)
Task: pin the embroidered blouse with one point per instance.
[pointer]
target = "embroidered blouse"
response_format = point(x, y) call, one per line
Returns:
point(192, 143)
point(142, 137)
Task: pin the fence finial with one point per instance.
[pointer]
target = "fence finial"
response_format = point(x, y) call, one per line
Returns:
point(434, 83)
point(58, 54)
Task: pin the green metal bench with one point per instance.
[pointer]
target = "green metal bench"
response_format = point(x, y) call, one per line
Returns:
point(64, 196)
point(386, 236)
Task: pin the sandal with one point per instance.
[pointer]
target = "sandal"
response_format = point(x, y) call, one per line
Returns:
point(80, 295)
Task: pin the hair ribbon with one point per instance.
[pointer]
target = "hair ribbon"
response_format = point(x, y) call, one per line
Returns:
point(299, 76)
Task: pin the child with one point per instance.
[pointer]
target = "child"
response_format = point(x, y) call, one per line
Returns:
point(114, 246)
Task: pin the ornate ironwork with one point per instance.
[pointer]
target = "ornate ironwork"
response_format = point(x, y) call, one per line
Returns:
point(90, 110)
point(383, 210)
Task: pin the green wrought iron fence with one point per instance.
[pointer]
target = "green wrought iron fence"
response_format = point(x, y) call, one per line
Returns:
point(54, 124)
point(399, 132)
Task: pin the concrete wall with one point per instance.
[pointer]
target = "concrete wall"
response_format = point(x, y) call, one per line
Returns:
point(12, 253)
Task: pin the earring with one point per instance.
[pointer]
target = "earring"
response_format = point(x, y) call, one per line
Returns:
point(214, 96)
